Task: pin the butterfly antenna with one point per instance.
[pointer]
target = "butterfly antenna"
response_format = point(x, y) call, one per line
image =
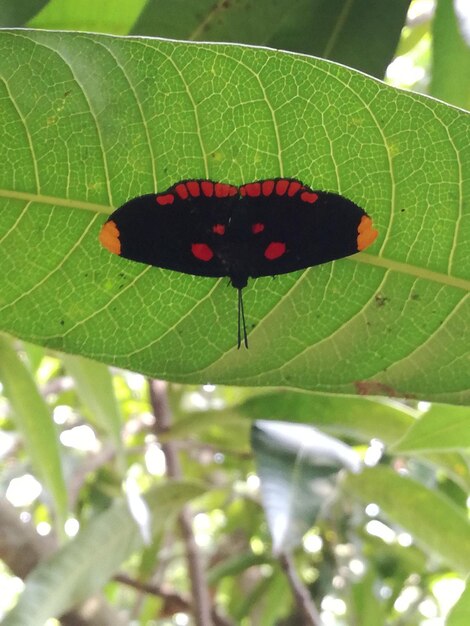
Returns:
point(241, 321)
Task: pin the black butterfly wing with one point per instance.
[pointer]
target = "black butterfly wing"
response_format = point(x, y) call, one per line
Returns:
point(178, 229)
point(214, 229)
point(291, 227)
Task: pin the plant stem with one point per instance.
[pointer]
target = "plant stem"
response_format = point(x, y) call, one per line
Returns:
point(301, 594)
point(201, 601)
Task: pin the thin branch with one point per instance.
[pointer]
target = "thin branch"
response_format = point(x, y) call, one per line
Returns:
point(201, 601)
point(302, 597)
point(180, 603)
point(173, 602)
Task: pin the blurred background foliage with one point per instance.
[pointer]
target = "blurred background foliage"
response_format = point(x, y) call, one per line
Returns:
point(97, 465)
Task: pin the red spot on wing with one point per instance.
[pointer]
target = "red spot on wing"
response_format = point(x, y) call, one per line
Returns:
point(257, 228)
point(166, 198)
point(193, 188)
point(207, 188)
point(267, 187)
point(309, 196)
point(182, 191)
point(222, 190)
point(275, 250)
point(202, 251)
point(281, 186)
point(294, 187)
point(218, 229)
point(252, 190)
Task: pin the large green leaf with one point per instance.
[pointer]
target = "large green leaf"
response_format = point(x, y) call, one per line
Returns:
point(88, 121)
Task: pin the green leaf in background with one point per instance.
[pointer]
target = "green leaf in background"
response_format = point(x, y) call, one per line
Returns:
point(365, 605)
point(360, 418)
point(103, 119)
point(84, 565)
point(297, 466)
point(113, 16)
point(412, 34)
point(358, 33)
point(275, 599)
point(94, 385)
point(34, 421)
point(460, 614)
point(13, 13)
point(451, 55)
point(436, 524)
point(442, 427)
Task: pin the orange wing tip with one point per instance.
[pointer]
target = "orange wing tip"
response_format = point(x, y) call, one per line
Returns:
point(366, 234)
point(109, 237)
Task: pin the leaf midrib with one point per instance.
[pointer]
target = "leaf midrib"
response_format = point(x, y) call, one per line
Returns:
point(412, 270)
point(65, 202)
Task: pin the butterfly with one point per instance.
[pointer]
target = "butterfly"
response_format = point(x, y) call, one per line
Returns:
point(214, 229)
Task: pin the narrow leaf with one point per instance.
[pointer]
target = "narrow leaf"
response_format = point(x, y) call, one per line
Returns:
point(84, 565)
point(95, 387)
point(450, 51)
point(34, 422)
